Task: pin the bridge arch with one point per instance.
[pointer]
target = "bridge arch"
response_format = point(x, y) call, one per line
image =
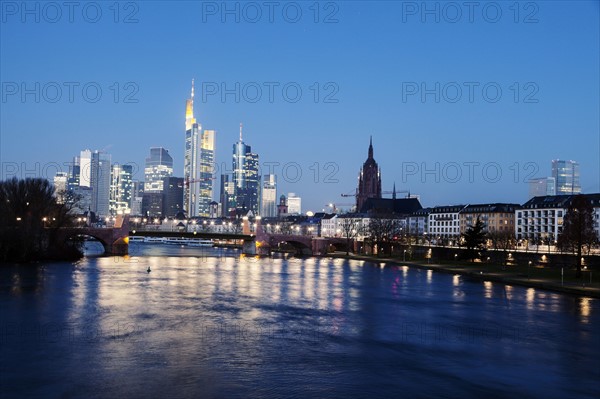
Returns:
point(113, 244)
point(300, 246)
point(105, 245)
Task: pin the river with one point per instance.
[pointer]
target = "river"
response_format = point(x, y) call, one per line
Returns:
point(208, 322)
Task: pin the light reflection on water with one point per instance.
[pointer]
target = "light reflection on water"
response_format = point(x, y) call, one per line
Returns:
point(209, 323)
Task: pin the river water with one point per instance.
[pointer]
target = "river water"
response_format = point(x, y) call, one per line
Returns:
point(208, 322)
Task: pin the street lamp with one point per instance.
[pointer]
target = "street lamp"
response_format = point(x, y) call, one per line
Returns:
point(404, 257)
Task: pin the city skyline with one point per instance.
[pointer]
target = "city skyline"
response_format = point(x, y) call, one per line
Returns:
point(428, 147)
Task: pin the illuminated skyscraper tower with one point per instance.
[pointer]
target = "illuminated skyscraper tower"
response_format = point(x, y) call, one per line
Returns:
point(246, 179)
point(199, 159)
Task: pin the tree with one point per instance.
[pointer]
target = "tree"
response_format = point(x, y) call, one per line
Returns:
point(474, 239)
point(578, 228)
point(350, 228)
point(29, 220)
point(503, 240)
point(383, 227)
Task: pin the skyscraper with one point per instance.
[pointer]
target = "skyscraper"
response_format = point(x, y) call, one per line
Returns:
point(369, 180)
point(269, 196)
point(158, 166)
point(61, 186)
point(294, 204)
point(227, 196)
point(198, 164)
point(94, 173)
point(102, 188)
point(207, 163)
point(246, 179)
point(173, 196)
point(121, 188)
point(566, 174)
point(74, 174)
point(542, 186)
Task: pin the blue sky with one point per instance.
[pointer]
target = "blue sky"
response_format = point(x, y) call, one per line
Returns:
point(374, 62)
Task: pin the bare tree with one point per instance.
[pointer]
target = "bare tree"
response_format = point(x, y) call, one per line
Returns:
point(382, 229)
point(503, 240)
point(29, 219)
point(578, 228)
point(350, 227)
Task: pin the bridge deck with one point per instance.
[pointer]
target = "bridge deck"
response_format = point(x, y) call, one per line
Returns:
point(183, 234)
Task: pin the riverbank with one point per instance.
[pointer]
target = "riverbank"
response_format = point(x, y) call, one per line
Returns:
point(541, 278)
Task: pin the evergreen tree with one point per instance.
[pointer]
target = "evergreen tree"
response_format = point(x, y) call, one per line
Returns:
point(474, 239)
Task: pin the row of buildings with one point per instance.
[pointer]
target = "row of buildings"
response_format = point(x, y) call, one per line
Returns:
point(540, 219)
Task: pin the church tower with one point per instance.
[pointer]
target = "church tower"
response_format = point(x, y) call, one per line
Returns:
point(369, 180)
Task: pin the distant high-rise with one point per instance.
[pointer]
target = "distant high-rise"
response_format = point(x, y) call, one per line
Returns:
point(198, 164)
point(94, 173)
point(74, 174)
point(103, 186)
point(121, 189)
point(566, 175)
point(369, 180)
point(269, 196)
point(173, 196)
point(227, 196)
point(153, 204)
point(246, 179)
point(294, 204)
point(61, 182)
point(158, 166)
point(542, 186)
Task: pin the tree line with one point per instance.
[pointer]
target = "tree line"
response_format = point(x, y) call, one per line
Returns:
point(30, 219)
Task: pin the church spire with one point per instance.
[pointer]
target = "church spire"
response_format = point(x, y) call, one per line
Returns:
point(371, 147)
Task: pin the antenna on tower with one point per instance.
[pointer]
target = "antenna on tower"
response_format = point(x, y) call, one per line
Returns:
point(192, 88)
point(240, 132)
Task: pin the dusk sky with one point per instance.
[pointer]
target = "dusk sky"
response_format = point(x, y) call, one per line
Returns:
point(370, 67)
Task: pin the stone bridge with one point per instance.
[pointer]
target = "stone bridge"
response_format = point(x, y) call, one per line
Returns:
point(264, 243)
point(115, 240)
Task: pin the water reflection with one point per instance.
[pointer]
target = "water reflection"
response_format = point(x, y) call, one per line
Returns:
point(530, 298)
point(232, 326)
point(488, 289)
point(456, 280)
point(585, 309)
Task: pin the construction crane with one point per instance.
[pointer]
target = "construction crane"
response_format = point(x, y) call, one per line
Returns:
point(382, 193)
